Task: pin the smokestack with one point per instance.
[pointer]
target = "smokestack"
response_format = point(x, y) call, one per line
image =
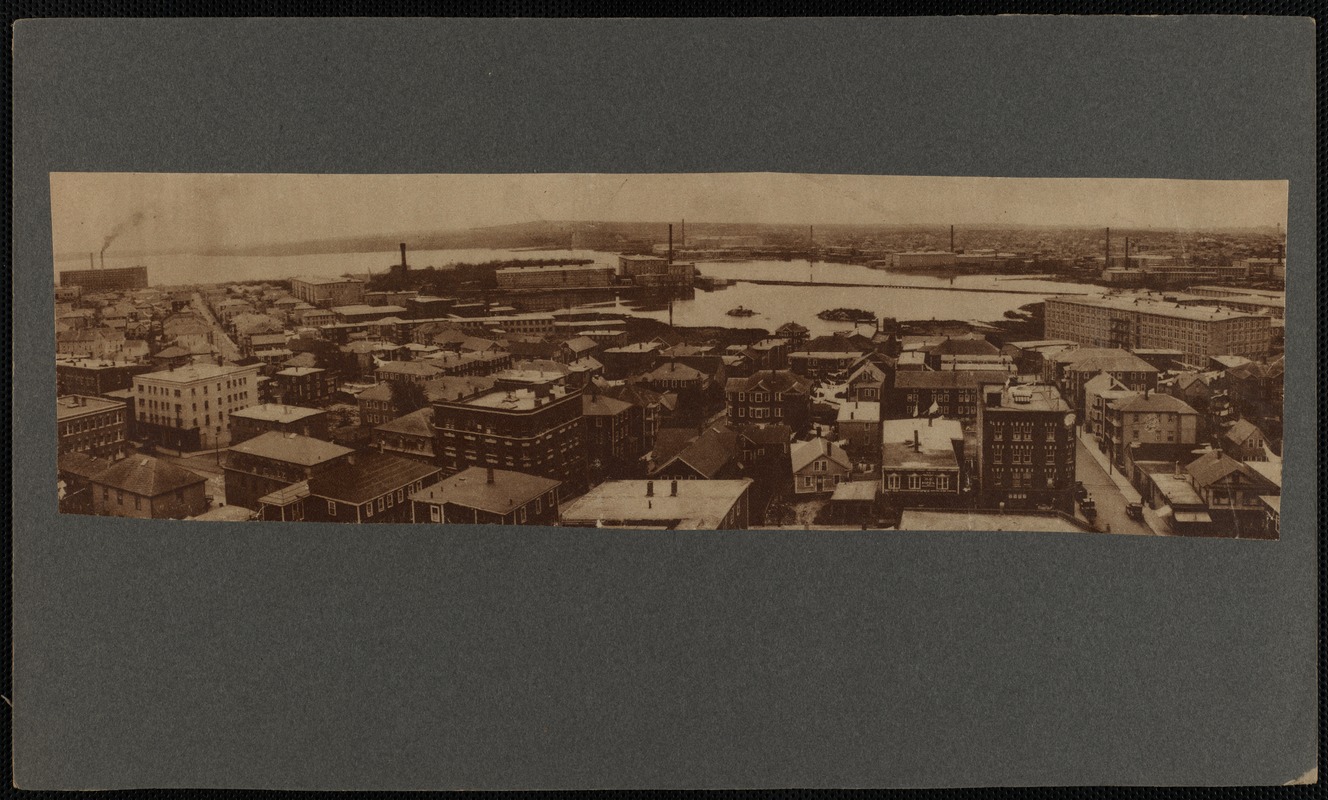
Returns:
point(952, 239)
point(811, 234)
point(92, 260)
point(103, 259)
point(682, 239)
point(1127, 252)
point(917, 443)
point(403, 257)
point(670, 243)
point(1107, 261)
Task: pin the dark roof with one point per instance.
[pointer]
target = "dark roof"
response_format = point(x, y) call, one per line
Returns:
point(147, 476)
point(455, 387)
point(964, 347)
point(708, 453)
point(767, 434)
point(470, 488)
point(947, 379)
point(81, 465)
point(1212, 467)
point(1241, 431)
point(599, 405)
point(416, 423)
point(781, 381)
point(1103, 359)
point(371, 475)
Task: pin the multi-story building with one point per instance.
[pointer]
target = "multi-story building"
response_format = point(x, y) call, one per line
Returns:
point(1071, 370)
point(867, 383)
point(369, 487)
point(1147, 418)
point(922, 462)
point(304, 386)
point(90, 425)
point(952, 394)
point(273, 461)
point(328, 292)
point(859, 427)
point(822, 364)
point(554, 277)
point(769, 396)
point(489, 496)
point(1026, 447)
point(1132, 321)
point(818, 466)
point(662, 505)
point(118, 279)
point(630, 266)
point(410, 435)
point(95, 376)
point(259, 419)
point(613, 435)
point(143, 487)
point(538, 431)
point(190, 408)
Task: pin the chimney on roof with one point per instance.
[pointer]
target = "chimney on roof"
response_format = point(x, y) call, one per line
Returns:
point(917, 442)
point(650, 488)
point(488, 475)
point(404, 267)
point(670, 243)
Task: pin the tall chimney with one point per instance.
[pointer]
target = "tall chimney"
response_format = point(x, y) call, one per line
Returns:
point(103, 259)
point(917, 443)
point(404, 268)
point(682, 239)
point(670, 243)
point(92, 260)
point(1107, 261)
point(951, 238)
point(1127, 252)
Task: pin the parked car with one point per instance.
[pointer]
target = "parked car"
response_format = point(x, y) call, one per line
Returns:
point(1135, 511)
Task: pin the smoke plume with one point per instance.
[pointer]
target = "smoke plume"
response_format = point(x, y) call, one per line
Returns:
point(134, 221)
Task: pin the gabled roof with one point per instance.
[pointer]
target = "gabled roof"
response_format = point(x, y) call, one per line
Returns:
point(964, 347)
point(779, 381)
point(1153, 402)
point(1212, 467)
point(457, 387)
point(371, 475)
point(147, 476)
point(81, 465)
point(673, 371)
point(867, 371)
point(803, 453)
point(708, 453)
point(1241, 431)
point(1102, 359)
point(581, 344)
point(777, 433)
point(377, 392)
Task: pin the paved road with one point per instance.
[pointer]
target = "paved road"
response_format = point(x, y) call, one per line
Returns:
point(229, 351)
point(1110, 502)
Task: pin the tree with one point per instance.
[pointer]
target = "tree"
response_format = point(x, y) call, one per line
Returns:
point(408, 396)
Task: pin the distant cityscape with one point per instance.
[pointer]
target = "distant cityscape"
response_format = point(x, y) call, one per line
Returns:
point(1127, 381)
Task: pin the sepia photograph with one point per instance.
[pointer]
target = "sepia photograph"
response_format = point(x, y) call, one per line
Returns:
point(762, 351)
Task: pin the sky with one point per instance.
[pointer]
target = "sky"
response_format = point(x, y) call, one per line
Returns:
point(165, 212)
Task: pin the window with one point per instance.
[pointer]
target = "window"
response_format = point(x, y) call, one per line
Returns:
point(138, 503)
point(807, 481)
point(380, 504)
point(331, 508)
point(943, 482)
point(892, 481)
point(436, 513)
point(368, 508)
point(401, 495)
point(914, 482)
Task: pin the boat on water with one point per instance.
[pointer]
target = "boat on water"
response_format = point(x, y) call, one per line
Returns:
point(741, 311)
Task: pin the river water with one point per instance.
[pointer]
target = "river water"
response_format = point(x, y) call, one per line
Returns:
point(911, 297)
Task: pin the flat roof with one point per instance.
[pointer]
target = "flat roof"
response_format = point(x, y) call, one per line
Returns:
point(196, 372)
point(555, 268)
point(291, 448)
point(854, 491)
point(935, 443)
point(859, 411)
point(698, 505)
point(926, 520)
point(277, 412)
point(362, 308)
point(1029, 397)
point(1145, 304)
point(321, 281)
point(471, 488)
point(1177, 489)
point(76, 405)
point(517, 399)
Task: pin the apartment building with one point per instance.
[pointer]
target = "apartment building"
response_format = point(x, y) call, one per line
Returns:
point(190, 408)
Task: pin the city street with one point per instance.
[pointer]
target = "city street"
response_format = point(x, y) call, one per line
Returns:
point(1111, 500)
point(221, 339)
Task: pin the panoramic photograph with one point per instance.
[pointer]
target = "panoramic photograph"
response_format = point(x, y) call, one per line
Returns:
point(761, 351)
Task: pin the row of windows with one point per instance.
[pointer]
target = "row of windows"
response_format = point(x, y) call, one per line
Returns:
point(387, 501)
point(915, 482)
point(92, 423)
